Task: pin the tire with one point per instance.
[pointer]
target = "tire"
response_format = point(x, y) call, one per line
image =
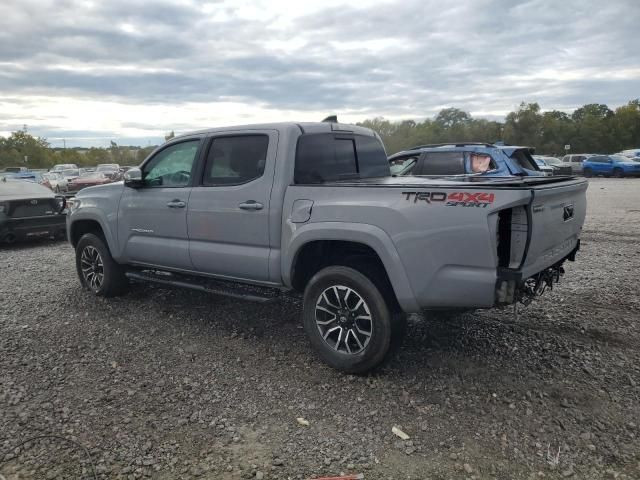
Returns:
point(339, 299)
point(588, 172)
point(106, 278)
point(618, 173)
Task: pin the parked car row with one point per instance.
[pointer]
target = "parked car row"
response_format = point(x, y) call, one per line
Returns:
point(68, 178)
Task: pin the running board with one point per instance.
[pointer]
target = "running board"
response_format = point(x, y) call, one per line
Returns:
point(243, 291)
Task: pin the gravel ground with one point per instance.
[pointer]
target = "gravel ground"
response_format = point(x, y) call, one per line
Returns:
point(177, 384)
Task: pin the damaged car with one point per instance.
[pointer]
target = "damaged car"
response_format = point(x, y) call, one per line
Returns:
point(29, 210)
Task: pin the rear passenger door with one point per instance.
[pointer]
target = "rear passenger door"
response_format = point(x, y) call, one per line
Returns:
point(228, 214)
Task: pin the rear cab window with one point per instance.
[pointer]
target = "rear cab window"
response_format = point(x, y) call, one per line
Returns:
point(326, 157)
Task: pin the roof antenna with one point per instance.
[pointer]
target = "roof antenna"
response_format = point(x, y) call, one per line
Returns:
point(331, 119)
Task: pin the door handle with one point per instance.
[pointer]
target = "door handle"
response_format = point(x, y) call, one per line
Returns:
point(176, 204)
point(251, 205)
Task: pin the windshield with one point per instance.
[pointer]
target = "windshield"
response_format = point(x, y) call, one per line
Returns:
point(107, 168)
point(540, 162)
point(70, 173)
point(402, 165)
point(553, 161)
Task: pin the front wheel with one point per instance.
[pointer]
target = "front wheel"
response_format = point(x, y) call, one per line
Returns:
point(588, 172)
point(98, 271)
point(618, 173)
point(347, 319)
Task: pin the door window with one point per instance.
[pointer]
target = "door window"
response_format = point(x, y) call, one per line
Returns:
point(235, 160)
point(172, 166)
point(443, 163)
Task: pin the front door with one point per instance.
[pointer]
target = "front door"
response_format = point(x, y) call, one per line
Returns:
point(152, 219)
point(228, 215)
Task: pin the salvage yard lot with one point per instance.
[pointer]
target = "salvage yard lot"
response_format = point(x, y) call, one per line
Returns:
point(178, 384)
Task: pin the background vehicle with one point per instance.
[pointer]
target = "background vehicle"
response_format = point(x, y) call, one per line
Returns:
point(252, 211)
point(632, 153)
point(20, 173)
point(111, 170)
point(575, 161)
point(29, 210)
point(459, 159)
point(57, 182)
point(610, 166)
point(542, 165)
point(64, 166)
point(89, 179)
point(559, 168)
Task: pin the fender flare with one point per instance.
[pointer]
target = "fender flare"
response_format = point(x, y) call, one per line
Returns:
point(95, 215)
point(369, 235)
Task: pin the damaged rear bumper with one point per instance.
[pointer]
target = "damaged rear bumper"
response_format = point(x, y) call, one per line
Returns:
point(512, 286)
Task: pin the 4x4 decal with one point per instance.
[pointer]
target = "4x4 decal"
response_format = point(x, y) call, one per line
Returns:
point(454, 199)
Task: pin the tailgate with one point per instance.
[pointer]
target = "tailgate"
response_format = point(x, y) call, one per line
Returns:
point(555, 216)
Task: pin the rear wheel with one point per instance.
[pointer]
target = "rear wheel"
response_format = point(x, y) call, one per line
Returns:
point(347, 320)
point(618, 173)
point(98, 271)
point(588, 172)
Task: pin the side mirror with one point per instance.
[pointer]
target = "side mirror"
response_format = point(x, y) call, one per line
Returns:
point(133, 178)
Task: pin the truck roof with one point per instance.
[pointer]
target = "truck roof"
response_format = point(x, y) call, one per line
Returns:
point(303, 127)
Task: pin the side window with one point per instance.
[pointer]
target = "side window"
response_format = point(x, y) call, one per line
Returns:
point(443, 163)
point(578, 159)
point(481, 163)
point(235, 160)
point(172, 166)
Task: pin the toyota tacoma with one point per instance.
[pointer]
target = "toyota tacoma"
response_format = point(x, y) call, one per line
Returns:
point(255, 211)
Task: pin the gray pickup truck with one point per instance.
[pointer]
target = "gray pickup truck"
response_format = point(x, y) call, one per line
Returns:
point(253, 211)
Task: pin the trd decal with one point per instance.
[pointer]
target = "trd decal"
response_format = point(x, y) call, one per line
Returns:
point(454, 199)
point(426, 196)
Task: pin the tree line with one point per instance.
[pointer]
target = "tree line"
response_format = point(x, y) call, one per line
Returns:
point(592, 128)
point(25, 150)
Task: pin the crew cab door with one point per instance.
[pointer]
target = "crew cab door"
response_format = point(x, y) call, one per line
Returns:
point(152, 219)
point(228, 214)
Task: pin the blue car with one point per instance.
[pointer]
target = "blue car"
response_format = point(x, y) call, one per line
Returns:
point(611, 166)
point(19, 173)
point(467, 158)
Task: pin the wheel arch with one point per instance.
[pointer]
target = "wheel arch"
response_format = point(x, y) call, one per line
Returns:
point(89, 224)
point(317, 245)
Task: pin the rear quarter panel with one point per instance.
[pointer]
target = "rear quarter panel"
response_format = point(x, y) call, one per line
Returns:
point(445, 249)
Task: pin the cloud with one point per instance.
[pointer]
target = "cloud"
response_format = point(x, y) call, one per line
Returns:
point(144, 66)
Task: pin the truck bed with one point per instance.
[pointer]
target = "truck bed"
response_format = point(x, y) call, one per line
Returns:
point(460, 238)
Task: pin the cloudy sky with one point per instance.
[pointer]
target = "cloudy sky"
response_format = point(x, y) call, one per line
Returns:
point(90, 71)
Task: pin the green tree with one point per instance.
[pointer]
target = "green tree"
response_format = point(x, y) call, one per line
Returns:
point(23, 149)
point(524, 126)
point(626, 125)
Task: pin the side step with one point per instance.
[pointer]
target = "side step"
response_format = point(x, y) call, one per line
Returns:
point(252, 293)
